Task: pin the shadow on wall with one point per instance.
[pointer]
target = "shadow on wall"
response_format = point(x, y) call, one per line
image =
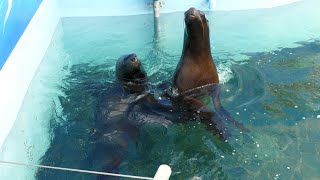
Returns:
point(15, 15)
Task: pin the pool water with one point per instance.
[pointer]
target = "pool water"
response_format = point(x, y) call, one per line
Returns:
point(268, 63)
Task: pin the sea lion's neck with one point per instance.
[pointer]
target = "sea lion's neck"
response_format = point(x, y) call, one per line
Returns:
point(196, 45)
point(137, 86)
point(132, 88)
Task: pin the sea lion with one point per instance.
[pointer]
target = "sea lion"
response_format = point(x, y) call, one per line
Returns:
point(196, 77)
point(121, 113)
point(131, 74)
point(196, 66)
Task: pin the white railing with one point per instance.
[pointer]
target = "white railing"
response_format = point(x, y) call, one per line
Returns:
point(163, 172)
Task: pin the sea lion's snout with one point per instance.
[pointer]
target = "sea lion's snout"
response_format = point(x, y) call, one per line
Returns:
point(192, 11)
point(134, 60)
point(192, 14)
point(129, 68)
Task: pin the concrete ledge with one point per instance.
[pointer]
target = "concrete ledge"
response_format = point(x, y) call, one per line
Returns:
point(231, 5)
point(23, 62)
point(80, 8)
point(76, 8)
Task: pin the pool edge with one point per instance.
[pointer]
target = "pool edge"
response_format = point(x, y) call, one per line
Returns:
point(22, 64)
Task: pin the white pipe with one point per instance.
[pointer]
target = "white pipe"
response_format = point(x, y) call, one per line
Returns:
point(163, 173)
point(156, 8)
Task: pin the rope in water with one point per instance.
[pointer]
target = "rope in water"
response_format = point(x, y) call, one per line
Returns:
point(76, 170)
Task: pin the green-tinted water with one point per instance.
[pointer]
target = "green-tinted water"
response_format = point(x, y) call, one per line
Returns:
point(270, 84)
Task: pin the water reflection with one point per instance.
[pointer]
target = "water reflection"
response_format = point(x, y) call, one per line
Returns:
point(156, 29)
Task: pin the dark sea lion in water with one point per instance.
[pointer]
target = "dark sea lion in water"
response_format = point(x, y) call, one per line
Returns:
point(121, 115)
point(130, 73)
point(196, 73)
point(132, 76)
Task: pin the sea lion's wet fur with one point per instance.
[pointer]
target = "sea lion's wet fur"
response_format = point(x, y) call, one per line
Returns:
point(120, 116)
point(195, 70)
point(131, 74)
point(196, 67)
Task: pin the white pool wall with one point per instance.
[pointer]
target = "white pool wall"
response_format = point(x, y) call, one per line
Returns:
point(230, 5)
point(23, 62)
point(30, 136)
point(73, 8)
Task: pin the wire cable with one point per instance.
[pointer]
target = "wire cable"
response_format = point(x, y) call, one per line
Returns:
point(76, 170)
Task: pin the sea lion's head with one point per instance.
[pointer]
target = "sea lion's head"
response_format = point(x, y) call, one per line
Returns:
point(130, 72)
point(196, 24)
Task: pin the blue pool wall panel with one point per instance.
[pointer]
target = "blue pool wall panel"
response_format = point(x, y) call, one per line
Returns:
point(15, 16)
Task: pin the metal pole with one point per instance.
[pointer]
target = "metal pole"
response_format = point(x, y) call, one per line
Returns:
point(156, 28)
point(156, 8)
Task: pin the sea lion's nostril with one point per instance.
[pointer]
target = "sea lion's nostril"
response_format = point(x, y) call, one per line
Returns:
point(134, 59)
point(193, 11)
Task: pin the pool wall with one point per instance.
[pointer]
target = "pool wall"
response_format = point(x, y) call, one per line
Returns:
point(72, 8)
point(20, 67)
point(14, 17)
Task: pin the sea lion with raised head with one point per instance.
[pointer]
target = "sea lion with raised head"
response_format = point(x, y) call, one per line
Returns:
point(196, 77)
point(123, 112)
point(131, 74)
point(133, 78)
point(196, 67)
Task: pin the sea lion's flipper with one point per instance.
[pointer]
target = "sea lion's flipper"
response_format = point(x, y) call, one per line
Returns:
point(207, 116)
point(111, 168)
point(214, 123)
point(223, 113)
point(226, 115)
point(139, 117)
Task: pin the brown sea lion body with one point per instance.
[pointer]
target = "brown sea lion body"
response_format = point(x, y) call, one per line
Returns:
point(196, 66)
point(196, 78)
